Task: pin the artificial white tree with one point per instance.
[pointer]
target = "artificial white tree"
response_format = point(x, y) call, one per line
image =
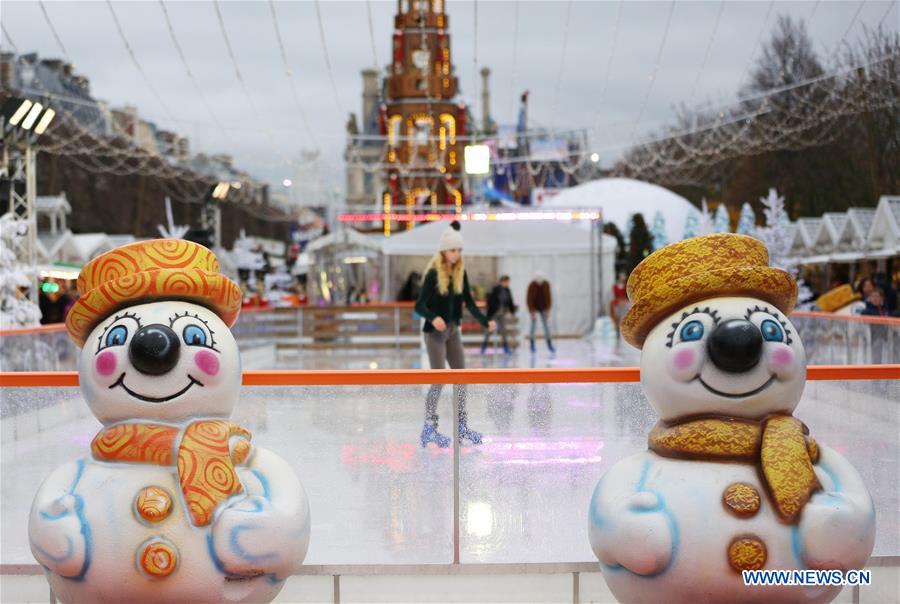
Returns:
point(691, 224)
point(777, 236)
point(721, 222)
point(747, 221)
point(172, 230)
point(658, 231)
point(16, 310)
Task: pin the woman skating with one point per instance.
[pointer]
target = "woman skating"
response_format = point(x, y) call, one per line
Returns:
point(445, 288)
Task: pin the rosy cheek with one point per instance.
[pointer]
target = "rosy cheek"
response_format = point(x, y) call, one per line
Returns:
point(684, 359)
point(207, 362)
point(782, 358)
point(685, 362)
point(106, 363)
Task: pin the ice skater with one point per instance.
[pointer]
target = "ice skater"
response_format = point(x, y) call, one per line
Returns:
point(539, 303)
point(500, 305)
point(445, 288)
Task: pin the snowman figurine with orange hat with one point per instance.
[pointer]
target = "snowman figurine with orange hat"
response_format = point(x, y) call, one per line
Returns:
point(731, 481)
point(172, 503)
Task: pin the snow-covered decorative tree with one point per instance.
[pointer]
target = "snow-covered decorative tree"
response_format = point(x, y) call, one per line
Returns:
point(16, 310)
point(172, 230)
point(691, 224)
point(244, 254)
point(776, 234)
point(658, 231)
point(248, 261)
point(747, 221)
point(722, 222)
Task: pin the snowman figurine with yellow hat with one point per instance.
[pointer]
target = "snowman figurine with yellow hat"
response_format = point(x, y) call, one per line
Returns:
point(731, 481)
point(172, 503)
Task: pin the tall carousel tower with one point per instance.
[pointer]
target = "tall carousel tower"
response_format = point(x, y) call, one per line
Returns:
point(421, 120)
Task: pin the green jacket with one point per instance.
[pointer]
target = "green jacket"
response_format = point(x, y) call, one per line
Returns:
point(431, 304)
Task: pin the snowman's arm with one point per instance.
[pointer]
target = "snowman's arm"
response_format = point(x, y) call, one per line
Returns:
point(58, 531)
point(629, 527)
point(837, 475)
point(619, 483)
point(267, 530)
point(837, 525)
point(270, 477)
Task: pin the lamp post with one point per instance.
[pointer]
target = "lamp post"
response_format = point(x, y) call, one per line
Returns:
point(477, 164)
point(211, 214)
point(23, 121)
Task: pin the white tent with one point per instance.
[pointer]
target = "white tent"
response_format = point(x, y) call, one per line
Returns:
point(561, 251)
point(83, 247)
point(619, 198)
point(343, 237)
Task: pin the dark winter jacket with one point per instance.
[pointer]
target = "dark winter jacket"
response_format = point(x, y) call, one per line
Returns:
point(874, 311)
point(431, 304)
point(539, 298)
point(499, 298)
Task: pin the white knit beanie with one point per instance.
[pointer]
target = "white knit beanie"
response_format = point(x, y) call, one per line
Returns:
point(451, 238)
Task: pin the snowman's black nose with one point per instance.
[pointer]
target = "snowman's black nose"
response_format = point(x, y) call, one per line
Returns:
point(154, 349)
point(735, 346)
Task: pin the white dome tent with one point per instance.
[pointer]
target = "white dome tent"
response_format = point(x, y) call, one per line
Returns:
point(619, 198)
point(561, 251)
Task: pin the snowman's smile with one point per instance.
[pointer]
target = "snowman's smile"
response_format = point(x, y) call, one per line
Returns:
point(151, 399)
point(739, 395)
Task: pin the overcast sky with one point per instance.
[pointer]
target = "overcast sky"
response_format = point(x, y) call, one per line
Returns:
point(527, 45)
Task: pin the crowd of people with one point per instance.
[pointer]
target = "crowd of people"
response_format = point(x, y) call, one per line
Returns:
point(879, 296)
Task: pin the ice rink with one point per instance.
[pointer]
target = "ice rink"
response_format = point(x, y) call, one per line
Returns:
point(377, 497)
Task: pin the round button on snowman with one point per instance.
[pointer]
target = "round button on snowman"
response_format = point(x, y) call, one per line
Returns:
point(731, 480)
point(173, 503)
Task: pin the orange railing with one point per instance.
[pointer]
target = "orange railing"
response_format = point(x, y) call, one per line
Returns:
point(807, 314)
point(413, 377)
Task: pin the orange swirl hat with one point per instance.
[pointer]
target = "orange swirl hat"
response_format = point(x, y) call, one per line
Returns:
point(689, 271)
point(158, 269)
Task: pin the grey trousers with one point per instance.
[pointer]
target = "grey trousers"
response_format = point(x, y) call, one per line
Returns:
point(444, 347)
point(500, 318)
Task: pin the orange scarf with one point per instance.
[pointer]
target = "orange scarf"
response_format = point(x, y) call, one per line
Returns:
point(779, 444)
point(206, 465)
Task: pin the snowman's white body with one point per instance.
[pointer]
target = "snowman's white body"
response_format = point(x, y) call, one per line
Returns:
point(659, 525)
point(87, 533)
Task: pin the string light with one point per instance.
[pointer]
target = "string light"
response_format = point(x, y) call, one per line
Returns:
point(323, 39)
point(187, 69)
point(290, 76)
point(662, 45)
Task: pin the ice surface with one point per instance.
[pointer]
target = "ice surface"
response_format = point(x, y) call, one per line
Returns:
point(377, 497)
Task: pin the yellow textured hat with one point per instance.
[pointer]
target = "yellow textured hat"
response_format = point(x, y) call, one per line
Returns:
point(836, 298)
point(692, 270)
point(159, 269)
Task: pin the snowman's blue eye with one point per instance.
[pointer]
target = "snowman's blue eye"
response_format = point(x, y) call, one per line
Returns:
point(117, 336)
point(771, 331)
point(194, 336)
point(692, 331)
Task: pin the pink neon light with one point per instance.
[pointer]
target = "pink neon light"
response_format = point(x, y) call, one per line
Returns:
point(564, 216)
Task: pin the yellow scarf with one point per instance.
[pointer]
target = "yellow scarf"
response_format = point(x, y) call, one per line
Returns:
point(779, 444)
point(205, 464)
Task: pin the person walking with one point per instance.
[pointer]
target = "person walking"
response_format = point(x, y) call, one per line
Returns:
point(499, 306)
point(444, 289)
point(539, 302)
point(619, 305)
